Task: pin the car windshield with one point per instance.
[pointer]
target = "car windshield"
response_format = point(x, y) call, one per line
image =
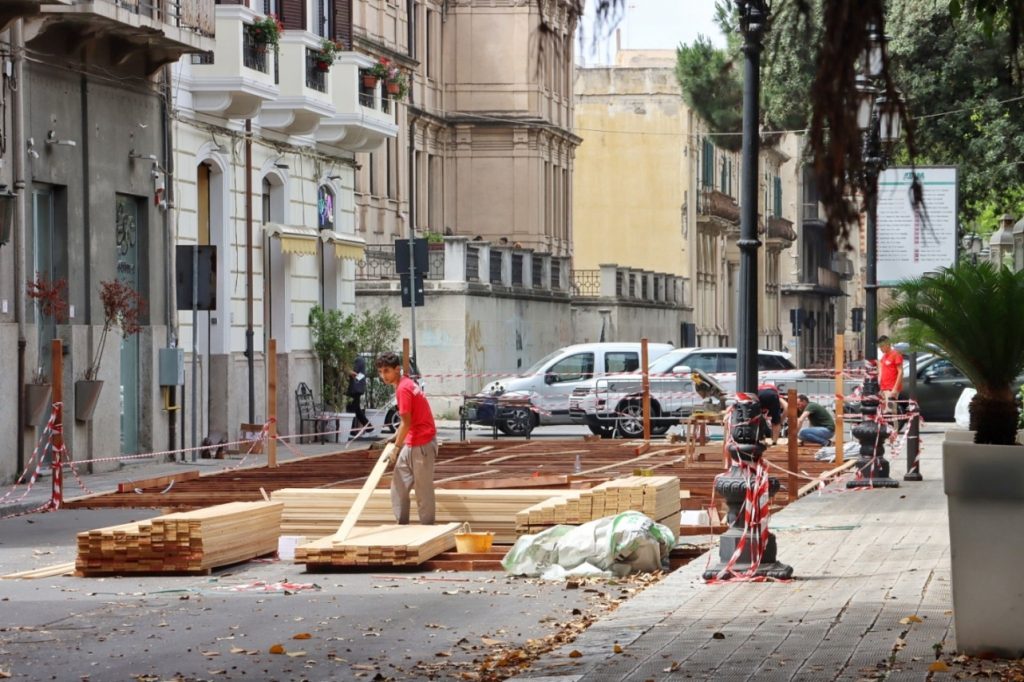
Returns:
point(667, 361)
point(539, 365)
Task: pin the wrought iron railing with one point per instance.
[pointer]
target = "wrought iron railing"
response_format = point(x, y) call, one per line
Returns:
point(379, 263)
point(254, 54)
point(711, 202)
point(586, 282)
point(780, 228)
point(316, 77)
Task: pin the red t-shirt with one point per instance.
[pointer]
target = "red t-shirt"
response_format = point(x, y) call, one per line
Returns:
point(412, 402)
point(891, 364)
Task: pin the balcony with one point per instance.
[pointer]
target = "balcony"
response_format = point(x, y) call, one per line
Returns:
point(12, 9)
point(780, 229)
point(714, 204)
point(305, 94)
point(363, 120)
point(151, 32)
point(236, 78)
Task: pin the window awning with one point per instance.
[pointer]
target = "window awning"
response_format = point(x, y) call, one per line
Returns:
point(346, 246)
point(302, 241)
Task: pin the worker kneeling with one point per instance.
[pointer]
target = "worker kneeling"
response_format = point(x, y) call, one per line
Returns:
point(815, 423)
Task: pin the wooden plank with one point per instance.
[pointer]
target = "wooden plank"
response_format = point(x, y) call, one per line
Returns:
point(157, 481)
point(512, 482)
point(45, 572)
point(364, 495)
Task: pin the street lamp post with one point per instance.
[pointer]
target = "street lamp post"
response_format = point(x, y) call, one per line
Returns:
point(879, 121)
point(747, 548)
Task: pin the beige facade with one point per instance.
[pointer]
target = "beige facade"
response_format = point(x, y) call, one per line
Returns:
point(485, 147)
point(656, 189)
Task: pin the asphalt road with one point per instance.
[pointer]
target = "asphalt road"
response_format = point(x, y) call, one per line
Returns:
point(223, 626)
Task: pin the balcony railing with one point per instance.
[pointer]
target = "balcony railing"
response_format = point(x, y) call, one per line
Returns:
point(254, 54)
point(379, 263)
point(711, 202)
point(780, 228)
point(196, 16)
point(586, 282)
point(316, 77)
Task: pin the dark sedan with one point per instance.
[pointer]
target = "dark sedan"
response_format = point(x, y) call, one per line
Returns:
point(939, 385)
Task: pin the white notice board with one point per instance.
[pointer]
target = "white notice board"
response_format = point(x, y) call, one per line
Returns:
point(912, 243)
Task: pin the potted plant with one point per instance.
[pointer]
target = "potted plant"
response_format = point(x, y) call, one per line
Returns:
point(397, 85)
point(971, 315)
point(50, 296)
point(123, 308)
point(266, 31)
point(379, 71)
point(325, 56)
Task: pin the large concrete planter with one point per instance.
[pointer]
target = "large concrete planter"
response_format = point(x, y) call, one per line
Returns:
point(37, 404)
point(87, 396)
point(984, 487)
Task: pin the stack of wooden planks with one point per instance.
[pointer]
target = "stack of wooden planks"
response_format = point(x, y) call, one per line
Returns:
point(389, 545)
point(185, 542)
point(316, 513)
point(655, 496)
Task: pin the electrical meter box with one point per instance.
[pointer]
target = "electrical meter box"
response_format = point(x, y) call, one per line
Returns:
point(172, 366)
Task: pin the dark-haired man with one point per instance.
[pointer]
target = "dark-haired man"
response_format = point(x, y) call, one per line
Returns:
point(416, 441)
point(816, 424)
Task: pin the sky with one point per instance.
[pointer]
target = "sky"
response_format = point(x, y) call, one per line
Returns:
point(651, 25)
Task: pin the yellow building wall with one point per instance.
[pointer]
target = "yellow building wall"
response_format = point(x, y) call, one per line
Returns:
point(630, 171)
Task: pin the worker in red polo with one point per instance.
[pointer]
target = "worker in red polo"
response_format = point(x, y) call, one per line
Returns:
point(890, 374)
point(416, 441)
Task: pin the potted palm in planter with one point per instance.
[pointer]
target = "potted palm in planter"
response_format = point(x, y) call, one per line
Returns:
point(50, 296)
point(123, 308)
point(971, 315)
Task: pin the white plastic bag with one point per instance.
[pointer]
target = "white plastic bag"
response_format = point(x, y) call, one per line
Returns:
point(961, 414)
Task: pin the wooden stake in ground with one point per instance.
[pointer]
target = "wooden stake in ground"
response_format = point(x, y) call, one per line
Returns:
point(794, 455)
point(838, 439)
point(272, 402)
point(364, 495)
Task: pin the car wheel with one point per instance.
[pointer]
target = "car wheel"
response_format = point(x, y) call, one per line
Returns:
point(517, 422)
point(631, 419)
point(392, 421)
point(601, 430)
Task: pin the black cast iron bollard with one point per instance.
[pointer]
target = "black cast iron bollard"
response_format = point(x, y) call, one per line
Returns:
point(913, 445)
point(872, 465)
point(744, 452)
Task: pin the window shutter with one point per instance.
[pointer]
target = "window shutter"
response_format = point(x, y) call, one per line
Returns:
point(343, 23)
point(293, 15)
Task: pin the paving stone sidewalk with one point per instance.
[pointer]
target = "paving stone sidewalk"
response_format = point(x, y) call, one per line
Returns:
point(864, 562)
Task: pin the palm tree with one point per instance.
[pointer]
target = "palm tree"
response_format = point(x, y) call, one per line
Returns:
point(970, 315)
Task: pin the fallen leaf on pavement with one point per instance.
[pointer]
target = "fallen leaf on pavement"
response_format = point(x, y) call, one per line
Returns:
point(302, 635)
point(938, 667)
point(490, 642)
point(575, 654)
point(910, 619)
point(276, 649)
point(617, 649)
point(718, 635)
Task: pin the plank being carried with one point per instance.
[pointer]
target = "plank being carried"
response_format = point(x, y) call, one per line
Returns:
point(352, 517)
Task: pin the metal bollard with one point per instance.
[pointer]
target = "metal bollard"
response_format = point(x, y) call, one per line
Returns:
point(913, 446)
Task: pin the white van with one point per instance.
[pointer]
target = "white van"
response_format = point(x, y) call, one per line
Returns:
point(551, 380)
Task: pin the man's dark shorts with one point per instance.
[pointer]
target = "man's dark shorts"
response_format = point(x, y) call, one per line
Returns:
point(770, 403)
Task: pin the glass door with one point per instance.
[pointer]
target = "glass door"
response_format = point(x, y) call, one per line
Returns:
point(127, 235)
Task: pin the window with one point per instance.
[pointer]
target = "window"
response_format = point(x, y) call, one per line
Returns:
point(372, 170)
point(428, 45)
point(621, 362)
point(777, 210)
point(772, 362)
point(322, 25)
point(708, 165)
point(537, 271)
point(495, 267)
point(325, 208)
point(573, 368)
point(707, 362)
point(265, 201)
point(517, 270)
point(727, 362)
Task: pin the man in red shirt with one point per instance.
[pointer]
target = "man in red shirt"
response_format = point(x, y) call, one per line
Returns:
point(416, 441)
point(890, 375)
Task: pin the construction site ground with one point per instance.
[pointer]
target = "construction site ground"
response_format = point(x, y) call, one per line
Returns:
point(863, 561)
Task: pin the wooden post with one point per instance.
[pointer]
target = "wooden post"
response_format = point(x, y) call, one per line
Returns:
point(405, 357)
point(646, 391)
point(57, 439)
point(272, 402)
point(838, 438)
point(791, 444)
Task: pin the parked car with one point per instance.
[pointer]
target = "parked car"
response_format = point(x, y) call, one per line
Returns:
point(542, 391)
point(610, 406)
